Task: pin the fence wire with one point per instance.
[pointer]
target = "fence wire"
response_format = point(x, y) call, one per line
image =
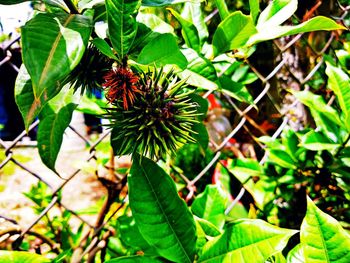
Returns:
point(283, 71)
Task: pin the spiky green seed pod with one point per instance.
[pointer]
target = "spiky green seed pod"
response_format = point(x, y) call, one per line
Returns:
point(159, 121)
point(88, 74)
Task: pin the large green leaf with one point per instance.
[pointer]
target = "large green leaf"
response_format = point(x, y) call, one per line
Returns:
point(323, 238)
point(53, 45)
point(235, 90)
point(135, 259)
point(188, 30)
point(276, 13)
point(339, 82)
point(315, 24)
point(160, 214)
point(122, 25)
point(21, 257)
point(161, 51)
point(211, 205)
point(244, 240)
point(233, 32)
point(11, 2)
point(54, 119)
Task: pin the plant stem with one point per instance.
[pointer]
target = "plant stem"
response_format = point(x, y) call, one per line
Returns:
point(72, 8)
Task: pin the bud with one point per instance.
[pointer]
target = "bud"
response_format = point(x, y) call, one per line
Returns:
point(158, 118)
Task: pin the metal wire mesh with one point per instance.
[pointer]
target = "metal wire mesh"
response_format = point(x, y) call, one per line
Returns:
point(283, 61)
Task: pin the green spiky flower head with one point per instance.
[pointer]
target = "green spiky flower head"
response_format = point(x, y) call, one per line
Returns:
point(159, 121)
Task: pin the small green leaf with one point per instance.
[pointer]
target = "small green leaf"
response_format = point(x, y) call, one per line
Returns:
point(233, 32)
point(54, 119)
point(122, 25)
point(317, 141)
point(244, 240)
point(193, 13)
point(188, 30)
point(208, 228)
point(243, 169)
point(277, 12)
point(235, 90)
point(161, 51)
point(323, 238)
point(211, 205)
point(281, 158)
point(326, 117)
point(315, 24)
point(21, 257)
point(160, 214)
point(339, 82)
point(104, 48)
point(50, 55)
point(296, 255)
point(135, 259)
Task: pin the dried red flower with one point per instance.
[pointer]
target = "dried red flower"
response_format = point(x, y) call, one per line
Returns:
point(121, 83)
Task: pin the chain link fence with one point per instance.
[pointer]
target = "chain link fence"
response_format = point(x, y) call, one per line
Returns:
point(285, 73)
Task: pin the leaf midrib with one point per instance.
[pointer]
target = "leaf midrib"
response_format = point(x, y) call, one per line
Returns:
point(163, 212)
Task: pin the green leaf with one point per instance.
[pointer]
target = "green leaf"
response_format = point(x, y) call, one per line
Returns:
point(222, 7)
point(161, 51)
point(243, 169)
point(24, 97)
point(135, 259)
point(277, 12)
point(282, 158)
point(155, 23)
point(166, 2)
point(296, 255)
point(130, 235)
point(188, 30)
point(54, 119)
point(235, 90)
point(323, 238)
point(53, 45)
point(21, 257)
point(122, 25)
point(244, 240)
point(208, 228)
point(211, 205)
point(233, 32)
point(326, 117)
point(160, 214)
point(104, 48)
point(254, 9)
point(339, 82)
point(315, 24)
point(201, 135)
point(317, 141)
point(200, 71)
point(193, 13)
